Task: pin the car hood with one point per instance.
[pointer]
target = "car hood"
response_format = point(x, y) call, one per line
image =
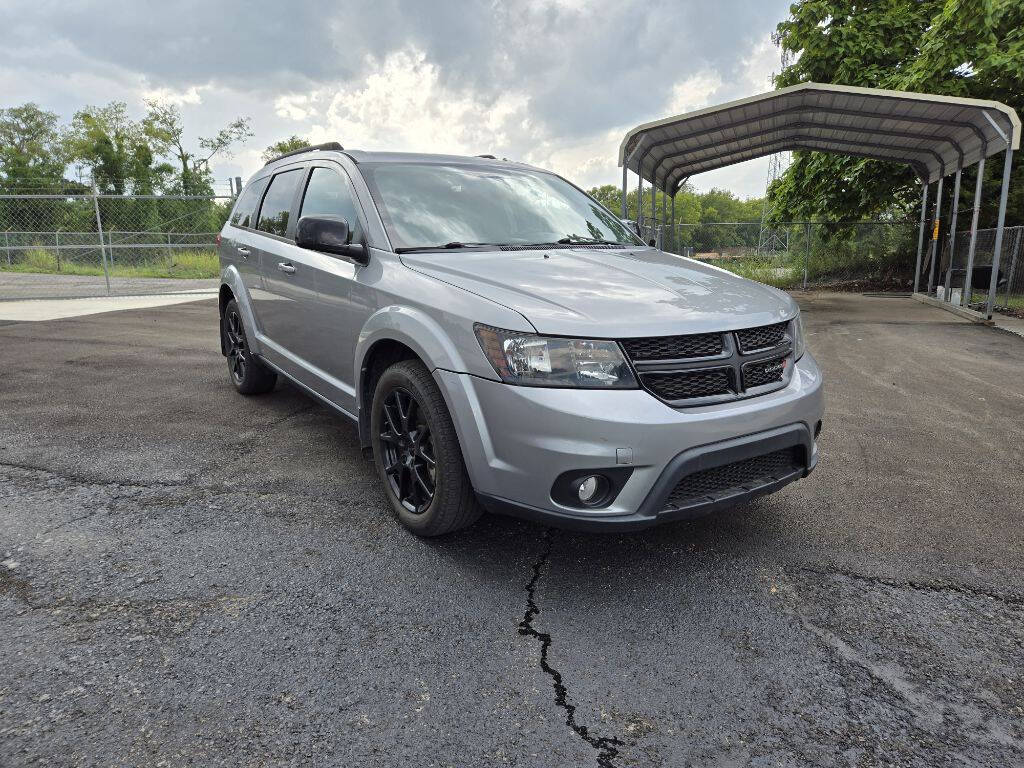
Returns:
point(610, 293)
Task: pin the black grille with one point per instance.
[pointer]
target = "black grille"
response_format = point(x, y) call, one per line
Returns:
point(748, 474)
point(753, 339)
point(682, 385)
point(673, 347)
point(763, 372)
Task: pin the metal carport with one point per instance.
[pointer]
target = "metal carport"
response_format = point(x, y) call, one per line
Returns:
point(935, 135)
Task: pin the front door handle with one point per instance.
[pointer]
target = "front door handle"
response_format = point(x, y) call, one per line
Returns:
point(285, 267)
point(243, 251)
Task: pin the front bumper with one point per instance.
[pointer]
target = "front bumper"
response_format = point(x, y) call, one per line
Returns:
point(517, 440)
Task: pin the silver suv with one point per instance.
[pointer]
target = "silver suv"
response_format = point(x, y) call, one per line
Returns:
point(504, 342)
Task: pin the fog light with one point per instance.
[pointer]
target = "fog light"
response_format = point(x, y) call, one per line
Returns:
point(592, 489)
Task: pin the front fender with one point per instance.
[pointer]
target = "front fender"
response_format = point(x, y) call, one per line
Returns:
point(230, 277)
point(451, 347)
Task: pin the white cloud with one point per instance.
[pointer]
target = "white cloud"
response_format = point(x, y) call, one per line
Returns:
point(295, 106)
point(694, 92)
point(403, 105)
point(190, 95)
point(763, 61)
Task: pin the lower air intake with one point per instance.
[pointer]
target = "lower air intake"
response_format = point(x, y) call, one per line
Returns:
point(745, 475)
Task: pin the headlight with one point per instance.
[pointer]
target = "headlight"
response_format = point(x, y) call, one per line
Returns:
point(542, 361)
point(796, 330)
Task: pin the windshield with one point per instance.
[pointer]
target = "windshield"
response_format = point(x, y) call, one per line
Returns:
point(426, 205)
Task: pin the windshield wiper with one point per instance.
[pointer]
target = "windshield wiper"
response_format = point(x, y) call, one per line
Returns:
point(576, 239)
point(454, 245)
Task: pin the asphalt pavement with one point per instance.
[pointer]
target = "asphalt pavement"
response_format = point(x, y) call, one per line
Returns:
point(189, 577)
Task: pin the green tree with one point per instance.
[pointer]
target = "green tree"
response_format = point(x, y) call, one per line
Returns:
point(115, 148)
point(163, 124)
point(284, 146)
point(972, 48)
point(33, 150)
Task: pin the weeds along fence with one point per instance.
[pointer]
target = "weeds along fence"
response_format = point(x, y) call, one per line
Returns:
point(60, 245)
point(866, 256)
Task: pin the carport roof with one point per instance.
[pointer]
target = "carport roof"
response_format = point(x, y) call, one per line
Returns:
point(933, 134)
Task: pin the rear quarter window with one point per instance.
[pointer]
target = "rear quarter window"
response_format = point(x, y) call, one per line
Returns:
point(245, 209)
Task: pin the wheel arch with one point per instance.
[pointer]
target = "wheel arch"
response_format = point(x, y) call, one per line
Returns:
point(232, 287)
point(398, 333)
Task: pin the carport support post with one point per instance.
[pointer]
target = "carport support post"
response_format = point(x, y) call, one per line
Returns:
point(807, 252)
point(99, 229)
point(952, 233)
point(664, 219)
point(965, 299)
point(933, 250)
point(654, 213)
point(673, 229)
point(996, 249)
point(624, 170)
point(639, 203)
point(920, 235)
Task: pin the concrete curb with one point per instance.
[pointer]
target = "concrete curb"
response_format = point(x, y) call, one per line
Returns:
point(966, 314)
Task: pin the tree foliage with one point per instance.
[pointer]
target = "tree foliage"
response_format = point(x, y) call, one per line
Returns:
point(716, 205)
point(971, 48)
point(33, 151)
point(118, 150)
point(284, 146)
point(164, 125)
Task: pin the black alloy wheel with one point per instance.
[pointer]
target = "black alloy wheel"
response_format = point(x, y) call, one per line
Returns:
point(410, 464)
point(248, 373)
point(238, 350)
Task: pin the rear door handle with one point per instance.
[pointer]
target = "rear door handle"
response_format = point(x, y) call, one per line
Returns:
point(244, 251)
point(285, 267)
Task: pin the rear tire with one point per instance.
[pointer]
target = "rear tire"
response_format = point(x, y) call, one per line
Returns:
point(247, 373)
point(417, 453)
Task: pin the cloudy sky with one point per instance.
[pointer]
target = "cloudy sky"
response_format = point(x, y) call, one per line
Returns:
point(552, 82)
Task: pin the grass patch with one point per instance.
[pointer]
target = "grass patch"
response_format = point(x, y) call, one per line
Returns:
point(186, 264)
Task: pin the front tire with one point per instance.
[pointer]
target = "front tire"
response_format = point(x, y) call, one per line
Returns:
point(248, 374)
point(417, 453)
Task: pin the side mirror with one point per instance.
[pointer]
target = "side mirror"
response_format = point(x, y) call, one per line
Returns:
point(329, 234)
point(631, 225)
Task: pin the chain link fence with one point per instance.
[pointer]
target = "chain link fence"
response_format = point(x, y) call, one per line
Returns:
point(864, 256)
point(95, 245)
point(950, 282)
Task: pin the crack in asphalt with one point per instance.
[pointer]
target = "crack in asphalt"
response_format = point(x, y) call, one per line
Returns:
point(918, 586)
point(606, 746)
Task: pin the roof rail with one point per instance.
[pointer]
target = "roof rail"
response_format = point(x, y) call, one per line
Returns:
point(488, 157)
point(329, 145)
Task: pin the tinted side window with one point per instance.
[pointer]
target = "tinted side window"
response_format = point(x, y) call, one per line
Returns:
point(328, 193)
point(245, 208)
point(277, 203)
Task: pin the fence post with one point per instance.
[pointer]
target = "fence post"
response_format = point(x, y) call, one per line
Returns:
point(807, 252)
point(7, 244)
point(56, 242)
point(99, 229)
point(170, 253)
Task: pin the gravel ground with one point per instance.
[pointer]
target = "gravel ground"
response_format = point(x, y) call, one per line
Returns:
point(190, 577)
